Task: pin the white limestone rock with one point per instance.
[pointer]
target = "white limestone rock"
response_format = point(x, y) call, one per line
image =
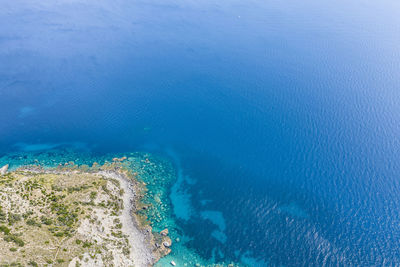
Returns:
point(4, 169)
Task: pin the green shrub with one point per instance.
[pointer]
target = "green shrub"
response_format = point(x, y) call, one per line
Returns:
point(56, 188)
point(27, 214)
point(13, 218)
point(32, 222)
point(93, 195)
point(4, 229)
point(59, 234)
point(15, 239)
point(46, 221)
point(87, 244)
point(3, 216)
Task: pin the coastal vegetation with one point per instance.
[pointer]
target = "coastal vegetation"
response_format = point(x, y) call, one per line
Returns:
point(75, 216)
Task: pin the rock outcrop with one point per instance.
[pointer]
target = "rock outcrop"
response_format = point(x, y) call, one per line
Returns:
point(4, 169)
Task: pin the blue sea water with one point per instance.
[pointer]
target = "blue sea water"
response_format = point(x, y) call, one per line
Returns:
point(281, 118)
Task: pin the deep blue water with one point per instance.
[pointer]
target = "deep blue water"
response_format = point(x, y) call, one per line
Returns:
point(281, 117)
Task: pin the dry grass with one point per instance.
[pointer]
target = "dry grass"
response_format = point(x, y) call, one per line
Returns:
point(53, 219)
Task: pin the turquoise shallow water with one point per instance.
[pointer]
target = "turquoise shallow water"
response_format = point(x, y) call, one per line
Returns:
point(280, 118)
point(161, 179)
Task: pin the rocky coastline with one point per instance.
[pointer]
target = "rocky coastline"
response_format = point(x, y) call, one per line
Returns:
point(134, 244)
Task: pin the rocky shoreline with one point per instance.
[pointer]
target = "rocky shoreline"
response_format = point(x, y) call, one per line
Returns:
point(145, 247)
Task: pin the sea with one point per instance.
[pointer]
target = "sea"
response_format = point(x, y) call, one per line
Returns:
point(279, 121)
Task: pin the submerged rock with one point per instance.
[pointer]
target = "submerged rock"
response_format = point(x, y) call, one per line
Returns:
point(119, 159)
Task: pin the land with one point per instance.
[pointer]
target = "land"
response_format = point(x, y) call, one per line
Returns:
point(76, 216)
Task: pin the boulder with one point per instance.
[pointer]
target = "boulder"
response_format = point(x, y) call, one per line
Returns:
point(167, 242)
point(4, 169)
point(164, 232)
